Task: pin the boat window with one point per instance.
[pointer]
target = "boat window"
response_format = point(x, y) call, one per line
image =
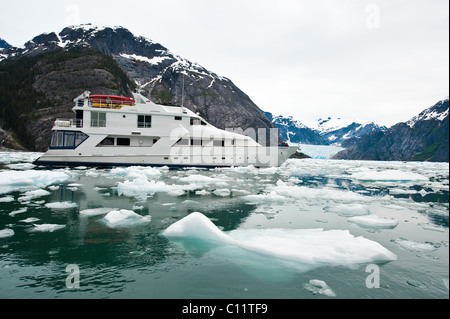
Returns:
point(98, 119)
point(182, 141)
point(196, 142)
point(67, 139)
point(123, 141)
point(107, 141)
point(144, 121)
point(219, 143)
point(178, 118)
point(195, 121)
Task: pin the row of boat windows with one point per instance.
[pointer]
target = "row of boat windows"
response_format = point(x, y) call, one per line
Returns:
point(98, 119)
point(67, 139)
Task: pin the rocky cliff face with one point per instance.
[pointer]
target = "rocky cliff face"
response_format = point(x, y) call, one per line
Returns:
point(107, 60)
point(423, 138)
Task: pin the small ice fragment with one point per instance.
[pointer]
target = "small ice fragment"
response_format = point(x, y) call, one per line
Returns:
point(223, 192)
point(61, 205)
point(19, 211)
point(6, 199)
point(319, 287)
point(6, 233)
point(96, 211)
point(124, 217)
point(29, 220)
point(348, 209)
point(374, 221)
point(413, 245)
point(46, 227)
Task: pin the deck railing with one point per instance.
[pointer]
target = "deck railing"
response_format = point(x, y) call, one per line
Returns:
point(69, 122)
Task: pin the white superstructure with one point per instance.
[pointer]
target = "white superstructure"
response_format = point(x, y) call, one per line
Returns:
point(113, 130)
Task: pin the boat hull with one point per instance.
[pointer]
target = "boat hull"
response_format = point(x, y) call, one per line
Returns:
point(187, 157)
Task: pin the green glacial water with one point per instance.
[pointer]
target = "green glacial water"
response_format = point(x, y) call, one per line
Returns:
point(311, 229)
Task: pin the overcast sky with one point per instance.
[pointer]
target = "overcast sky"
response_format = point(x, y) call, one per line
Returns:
point(377, 60)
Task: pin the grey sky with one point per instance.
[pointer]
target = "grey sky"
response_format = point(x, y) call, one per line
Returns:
point(372, 60)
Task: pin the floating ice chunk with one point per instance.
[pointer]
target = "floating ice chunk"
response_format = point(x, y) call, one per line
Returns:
point(312, 247)
point(142, 186)
point(15, 180)
point(96, 211)
point(428, 226)
point(6, 199)
point(202, 192)
point(6, 233)
point(133, 172)
point(196, 225)
point(271, 197)
point(303, 192)
point(413, 245)
point(319, 287)
point(348, 209)
point(124, 218)
point(19, 211)
point(223, 192)
point(29, 220)
point(61, 205)
point(46, 227)
point(33, 194)
point(374, 221)
point(21, 166)
point(388, 175)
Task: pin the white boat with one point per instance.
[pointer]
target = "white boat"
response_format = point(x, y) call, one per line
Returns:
point(116, 131)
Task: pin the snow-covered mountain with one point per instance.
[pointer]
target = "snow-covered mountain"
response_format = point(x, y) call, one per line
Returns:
point(112, 60)
point(4, 44)
point(329, 131)
point(425, 137)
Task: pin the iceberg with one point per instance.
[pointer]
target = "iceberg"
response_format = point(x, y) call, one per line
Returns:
point(310, 247)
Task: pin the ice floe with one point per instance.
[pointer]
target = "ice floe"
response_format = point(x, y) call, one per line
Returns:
point(96, 211)
point(6, 233)
point(17, 180)
point(61, 205)
point(312, 247)
point(124, 218)
point(348, 209)
point(46, 227)
point(33, 194)
point(141, 187)
point(388, 175)
point(374, 221)
point(6, 199)
point(18, 211)
point(414, 245)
